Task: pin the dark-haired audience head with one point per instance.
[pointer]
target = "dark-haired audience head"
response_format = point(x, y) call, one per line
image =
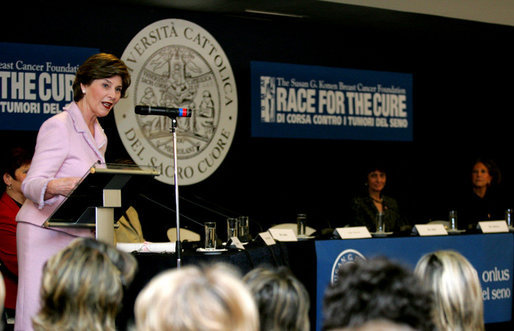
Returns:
point(457, 292)
point(378, 325)
point(16, 163)
point(376, 289)
point(282, 300)
point(82, 287)
point(206, 298)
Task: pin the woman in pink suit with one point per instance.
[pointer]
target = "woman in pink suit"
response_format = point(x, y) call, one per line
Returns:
point(68, 144)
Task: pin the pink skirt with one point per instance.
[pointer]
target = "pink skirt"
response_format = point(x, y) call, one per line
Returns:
point(35, 246)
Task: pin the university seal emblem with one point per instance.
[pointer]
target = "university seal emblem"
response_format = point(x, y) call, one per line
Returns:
point(177, 64)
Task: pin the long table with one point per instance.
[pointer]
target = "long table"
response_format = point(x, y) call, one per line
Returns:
point(314, 262)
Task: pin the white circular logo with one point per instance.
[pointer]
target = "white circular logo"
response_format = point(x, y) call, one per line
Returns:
point(177, 64)
point(346, 256)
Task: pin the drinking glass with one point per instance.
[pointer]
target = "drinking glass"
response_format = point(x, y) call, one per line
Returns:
point(380, 222)
point(232, 228)
point(452, 220)
point(210, 235)
point(301, 224)
point(508, 217)
point(244, 228)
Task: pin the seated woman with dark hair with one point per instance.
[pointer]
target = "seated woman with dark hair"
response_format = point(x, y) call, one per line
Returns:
point(372, 201)
point(483, 199)
point(82, 287)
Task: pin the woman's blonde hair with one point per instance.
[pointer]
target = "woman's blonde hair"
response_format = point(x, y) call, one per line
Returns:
point(82, 287)
point(282, 300)
point(456, 287)
point(196, 298)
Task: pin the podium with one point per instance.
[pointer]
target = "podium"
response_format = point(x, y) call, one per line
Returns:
point(97, 199)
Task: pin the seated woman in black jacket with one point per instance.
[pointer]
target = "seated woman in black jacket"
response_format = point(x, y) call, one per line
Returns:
point(366, 206)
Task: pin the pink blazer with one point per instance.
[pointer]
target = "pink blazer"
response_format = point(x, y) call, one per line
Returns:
point(64, 148)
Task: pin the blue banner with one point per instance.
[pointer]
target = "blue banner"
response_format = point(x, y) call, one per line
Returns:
point(491, 255)
point(36, 82)
point(300, 101)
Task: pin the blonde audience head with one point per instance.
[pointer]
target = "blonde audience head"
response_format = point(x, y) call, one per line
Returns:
point(282, 300)
point(82, 287)
point(457, 293)
point(212, 298)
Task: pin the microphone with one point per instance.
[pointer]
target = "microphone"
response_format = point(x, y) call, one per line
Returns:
point(164, 111)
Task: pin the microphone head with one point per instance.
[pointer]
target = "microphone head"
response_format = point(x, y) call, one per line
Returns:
point(184, 112)
point(143, 110)
point(163, 111)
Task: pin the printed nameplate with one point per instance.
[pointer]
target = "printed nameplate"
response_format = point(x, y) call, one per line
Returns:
point(268, 239)
point(431, 230)
point(493, 226)
point(236, 243)
point(283, 234)
point(353, 232)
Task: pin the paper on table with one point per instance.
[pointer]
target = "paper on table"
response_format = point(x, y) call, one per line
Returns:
point(147, 247)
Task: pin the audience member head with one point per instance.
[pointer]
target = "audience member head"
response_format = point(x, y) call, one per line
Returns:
point(82, 287)
point(376, 289)
point(14, 170)
point(457, 293)
point(378, 325)
point(282, 301)
point(209, 298)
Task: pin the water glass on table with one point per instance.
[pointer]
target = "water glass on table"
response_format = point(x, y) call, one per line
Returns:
point(301, 224)
point(452, 220)
point(232, 228)
point(380, 222)
point(210, 235)
point(508, 217)
point(244, 228)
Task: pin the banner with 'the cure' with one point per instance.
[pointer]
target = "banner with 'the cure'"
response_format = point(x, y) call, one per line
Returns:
point(300, 101)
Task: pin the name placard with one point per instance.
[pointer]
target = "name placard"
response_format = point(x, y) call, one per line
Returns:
point(267, 238)
point(283, 234)
point(236, 243)
point(493, 226)
point(353, 232)
point(431, 230)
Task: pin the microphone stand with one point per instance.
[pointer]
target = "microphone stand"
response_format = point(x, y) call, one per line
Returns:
point(178, 247)
point(172, 113)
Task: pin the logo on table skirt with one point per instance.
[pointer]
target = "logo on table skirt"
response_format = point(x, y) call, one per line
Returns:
point(346, 256)
point(268, 99)
point(177, 64)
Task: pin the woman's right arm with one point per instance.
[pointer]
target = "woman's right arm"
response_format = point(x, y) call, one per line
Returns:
point(52, 148)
